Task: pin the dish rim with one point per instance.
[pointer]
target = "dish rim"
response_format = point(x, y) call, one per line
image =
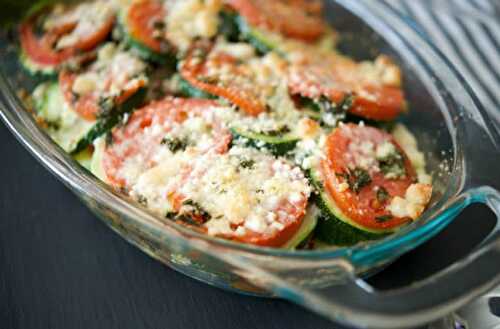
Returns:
point(82, 181)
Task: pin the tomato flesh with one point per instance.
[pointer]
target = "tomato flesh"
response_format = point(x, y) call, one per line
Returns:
point(278, 239)
point(160, 112)
point(237, 88)
point(87, 105)
point(41, 49)
point(142, 20)
point(299, 19)
point(336, 78)
point(363, 206)
point(275, 238)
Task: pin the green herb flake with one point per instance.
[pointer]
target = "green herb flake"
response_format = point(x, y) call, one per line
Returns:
point(382, 194)
point(106, 105)
point(108, 139)
point(383, 219)
point(173, 216)
point(393, 165)
point(174, 144)
point(193, 209)
point(359, 178)
point(277, 132)
point(142, 200)
point(247, 164)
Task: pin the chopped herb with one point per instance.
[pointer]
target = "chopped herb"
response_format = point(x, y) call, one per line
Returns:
point(393, 165)
point(356, 178)
point(159, 25)
point(247, 164)
point(174, 144)
point(326, 105)
point(170, 215)
point(208, 79)
point(200, 54)
point(106, 105)
point(173, 216)
point(54, 125)
point(74, 96)
point(193, 209)
point(384, 218)
point(142, 200)
point(108, 139)
point(359, 179)
point(347, 103)
point(382, 194)
point(277, 132)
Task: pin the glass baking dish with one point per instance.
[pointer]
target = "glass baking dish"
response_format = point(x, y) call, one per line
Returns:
point(459, 139)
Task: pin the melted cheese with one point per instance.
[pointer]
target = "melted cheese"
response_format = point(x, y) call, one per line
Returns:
point(89, 17)
point(190, 19)
point(416, 198)
point(408, 142)
point(113, 72)
point(233, 195)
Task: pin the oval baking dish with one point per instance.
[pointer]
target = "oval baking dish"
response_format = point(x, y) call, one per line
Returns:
point(458, 137)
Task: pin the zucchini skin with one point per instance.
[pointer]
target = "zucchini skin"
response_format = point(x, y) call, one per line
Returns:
point(331, 228)
point(253, 36)
point(306, 229)
point(105, 124)
point(190, 91)
point(35, 70)
point(147, 54)
point(228, 26)
point(168, 58)
point(277, 145)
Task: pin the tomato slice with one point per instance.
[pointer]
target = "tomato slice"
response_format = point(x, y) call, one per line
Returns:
point(42, 49)
point(336, 77)
point(299, 19)
point(295, 214)
point(354, 146)
point(287, 212)
point(136, 141)
point(221, 74)
point(144, 21)
point(88, 105)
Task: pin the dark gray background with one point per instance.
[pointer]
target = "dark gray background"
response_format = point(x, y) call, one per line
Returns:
point(60, 267)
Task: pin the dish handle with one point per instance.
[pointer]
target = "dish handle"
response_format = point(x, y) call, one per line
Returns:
point(356, 303)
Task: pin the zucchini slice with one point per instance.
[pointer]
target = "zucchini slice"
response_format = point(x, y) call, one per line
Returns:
point(37, 70)
point(149, 13)
point(66, 127)
point(188, 90)
point(306, 228)
point(262, 41)
point(277, 144)
point(334, 227)
point(84, 158)
point(96, 161)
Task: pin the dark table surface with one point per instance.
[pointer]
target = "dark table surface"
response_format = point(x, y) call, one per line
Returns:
point(60, 267)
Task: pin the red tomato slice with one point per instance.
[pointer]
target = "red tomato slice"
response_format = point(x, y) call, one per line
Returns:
point(300, 19)
point(142, 19)
point(295, 213)
point(41, 49)
point(131, 139)
point(291, 222)
point(202, 69)
point(87, 105)
point(337, 77)
point(348, 145)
